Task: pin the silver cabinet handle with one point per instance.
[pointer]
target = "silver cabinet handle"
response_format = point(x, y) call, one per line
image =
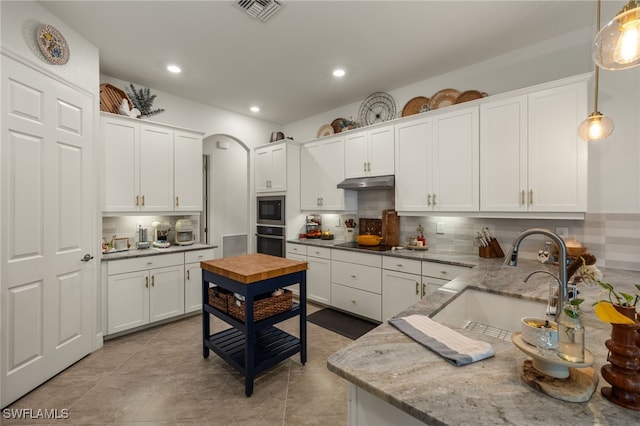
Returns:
point(146, 282)
point(177, 201)
point(531, 197)
point(428, 199)
point(434, 199)
point(188, 275)
point(153, 280)
point(522, 197)
point(417, 288)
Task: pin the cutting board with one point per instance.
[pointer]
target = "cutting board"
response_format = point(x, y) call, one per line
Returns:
point(391, 227)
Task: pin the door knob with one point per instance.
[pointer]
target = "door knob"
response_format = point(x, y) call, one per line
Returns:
point(87, 257)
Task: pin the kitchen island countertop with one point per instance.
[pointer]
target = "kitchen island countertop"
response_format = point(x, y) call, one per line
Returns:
point(397, 370)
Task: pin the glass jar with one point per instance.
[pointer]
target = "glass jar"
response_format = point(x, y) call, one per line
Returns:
point(570, 334)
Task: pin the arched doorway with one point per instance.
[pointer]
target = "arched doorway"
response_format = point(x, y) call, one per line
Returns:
point(226, 215)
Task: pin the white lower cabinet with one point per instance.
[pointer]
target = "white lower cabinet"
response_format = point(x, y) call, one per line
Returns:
point(406, 281)
point(318, 271)
point(319, 274)
point(144, 290)
point(297, 252)
point(356, 284)
point(193, 278)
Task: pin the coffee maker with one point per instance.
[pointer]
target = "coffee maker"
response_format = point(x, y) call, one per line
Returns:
point(161, 234)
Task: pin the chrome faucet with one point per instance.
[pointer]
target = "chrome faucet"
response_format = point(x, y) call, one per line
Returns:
point(563, 285)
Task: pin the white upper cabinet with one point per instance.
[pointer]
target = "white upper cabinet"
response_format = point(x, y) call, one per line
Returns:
point(503, 155)
point(558, 158)
point(187, 164)
point(369, 152)
point(321, 169)
point(140, 161)
point(271, 168)
point(437, 163)
point(156, 168)
point(121, 156)
point(532, 159)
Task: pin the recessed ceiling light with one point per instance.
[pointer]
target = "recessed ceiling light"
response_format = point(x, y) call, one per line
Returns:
point(255, 109)
point(174, 69)
point(339, 72)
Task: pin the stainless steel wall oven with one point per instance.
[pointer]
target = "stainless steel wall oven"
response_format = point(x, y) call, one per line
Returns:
point(270, 228)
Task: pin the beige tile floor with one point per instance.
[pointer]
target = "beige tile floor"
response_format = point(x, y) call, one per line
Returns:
point(159, 377)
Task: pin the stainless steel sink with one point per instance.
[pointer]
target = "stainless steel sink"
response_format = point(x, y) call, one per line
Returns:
point(496, 314)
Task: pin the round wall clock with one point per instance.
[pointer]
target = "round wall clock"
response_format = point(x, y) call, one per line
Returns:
point(376, 108)
point(52, 45)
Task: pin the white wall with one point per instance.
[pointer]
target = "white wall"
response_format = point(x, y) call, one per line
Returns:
point(614, 175)
point(229, 190)
point(21, 19)
point(205, 118)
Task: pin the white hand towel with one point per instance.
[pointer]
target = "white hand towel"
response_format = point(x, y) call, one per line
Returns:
point(442, 340)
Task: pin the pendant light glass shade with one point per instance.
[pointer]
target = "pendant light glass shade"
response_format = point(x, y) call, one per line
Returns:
point(617, 44)
point(596, 127)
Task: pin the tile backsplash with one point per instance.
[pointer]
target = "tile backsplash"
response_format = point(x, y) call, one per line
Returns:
point(127, 226)
point(614, 238)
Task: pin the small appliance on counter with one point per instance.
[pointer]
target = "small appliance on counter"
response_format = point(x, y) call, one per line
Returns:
point(314, 226)
point(161, 234)
point(142, 243)
point(184, 232)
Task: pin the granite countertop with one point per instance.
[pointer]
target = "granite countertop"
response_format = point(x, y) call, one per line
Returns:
point(430, 255)
point(153, 251)
point(396, 369)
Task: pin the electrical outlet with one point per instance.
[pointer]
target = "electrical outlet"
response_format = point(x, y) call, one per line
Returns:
point(439, 227)
point(562, 231)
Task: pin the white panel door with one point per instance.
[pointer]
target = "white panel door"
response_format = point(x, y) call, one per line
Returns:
point(48, 218)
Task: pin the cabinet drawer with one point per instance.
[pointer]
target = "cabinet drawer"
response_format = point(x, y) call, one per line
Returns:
point(357, 276)
point(147, 262)
point(299, 249)
point(374, 260)
point(198, 255)
point(402, 265)
point(441, 270)
point(359, 302)
point(321, 252)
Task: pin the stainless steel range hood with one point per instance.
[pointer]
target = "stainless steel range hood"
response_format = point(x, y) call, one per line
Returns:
point(375, 182)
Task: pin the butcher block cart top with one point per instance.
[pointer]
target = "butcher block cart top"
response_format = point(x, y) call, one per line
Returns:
point(253, 344)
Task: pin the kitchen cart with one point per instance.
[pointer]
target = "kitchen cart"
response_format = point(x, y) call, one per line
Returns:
point(251, 346)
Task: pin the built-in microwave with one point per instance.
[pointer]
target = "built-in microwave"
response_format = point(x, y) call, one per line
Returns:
point(270, 210)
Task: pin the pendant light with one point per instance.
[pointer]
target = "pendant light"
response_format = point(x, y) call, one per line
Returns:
point(617, 45)
point(597, 126)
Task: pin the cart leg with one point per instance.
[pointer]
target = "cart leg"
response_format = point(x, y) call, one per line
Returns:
point(303, 317)
point(248, 386)
point(205, 317)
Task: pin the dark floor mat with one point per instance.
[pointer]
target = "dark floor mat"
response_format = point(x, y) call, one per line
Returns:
point(341, 323)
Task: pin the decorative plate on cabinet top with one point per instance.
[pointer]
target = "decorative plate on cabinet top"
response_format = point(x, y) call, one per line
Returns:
point(324, 130)
point(470, 95)
point(443, 98)
point(52, 45)
point(377, 108)
point(415, 106)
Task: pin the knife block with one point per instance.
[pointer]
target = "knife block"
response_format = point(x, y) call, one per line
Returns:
point(493, 250)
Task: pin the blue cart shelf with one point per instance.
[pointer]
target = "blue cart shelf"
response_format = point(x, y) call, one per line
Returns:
point(251, 346)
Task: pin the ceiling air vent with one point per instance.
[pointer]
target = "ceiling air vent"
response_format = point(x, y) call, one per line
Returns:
point(260, 9)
